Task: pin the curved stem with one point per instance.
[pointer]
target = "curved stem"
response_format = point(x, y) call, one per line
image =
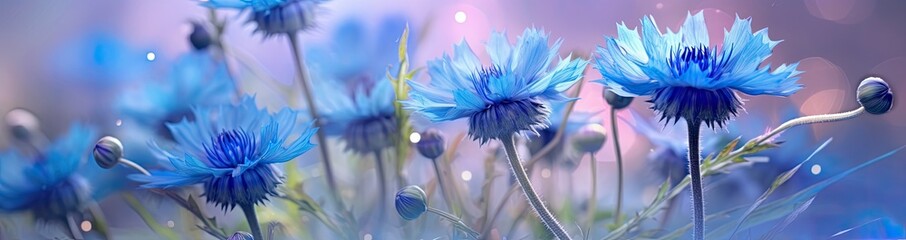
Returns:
point(313, 111)
point(698, 206)
point(811, 119)
point(616, 151)
point(135, 166)
point(455, 220)
point(440, 182)
point(382, 188)
point(593, 199)
point(218, 39)
point(519, 171)
point(252, 218)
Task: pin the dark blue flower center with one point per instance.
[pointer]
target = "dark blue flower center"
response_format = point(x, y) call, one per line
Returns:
point(703, 57)
point(231, 148)
point(371, 134)
point(507, 118)
point(694, 104)
point(59, 200)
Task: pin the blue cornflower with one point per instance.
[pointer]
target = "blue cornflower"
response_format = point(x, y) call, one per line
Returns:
point(353, 54)
point(276, 16)
point(508, 97)
point(196, 79)
point(220, 150)
point(46, 183)
point(688, 78)
point(366, 120)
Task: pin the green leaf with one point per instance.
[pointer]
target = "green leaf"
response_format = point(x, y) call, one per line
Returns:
point(780, 180)
point(783, 207)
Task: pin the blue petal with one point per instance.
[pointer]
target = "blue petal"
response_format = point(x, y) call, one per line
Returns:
point(499, 49)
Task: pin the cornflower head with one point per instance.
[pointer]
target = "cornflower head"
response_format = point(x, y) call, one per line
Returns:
point(231, 150)
point(276, 16)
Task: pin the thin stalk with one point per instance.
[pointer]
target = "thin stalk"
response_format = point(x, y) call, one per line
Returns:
point(313, 111)
point(135, 166)
point(698, 206)
point(252, 218)
point(616, 151)
point(440, 182)
point(809, 120)
point(455, 220)
point(519, 171)
point(218, 39)
point(593, 199)
point(382, 182)
point(73, 227)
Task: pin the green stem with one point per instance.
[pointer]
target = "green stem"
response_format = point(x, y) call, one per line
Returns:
point(313, 111)
point(519, 171)
point(593, 200)
point(455, 220)
point(252, 218)
point(616, 151)
point(698, 206)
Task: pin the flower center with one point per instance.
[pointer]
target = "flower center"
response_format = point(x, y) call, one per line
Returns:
point(712, 107)
point(231, 148)
point(507, 118)
point(372, 134)
point(706, 59)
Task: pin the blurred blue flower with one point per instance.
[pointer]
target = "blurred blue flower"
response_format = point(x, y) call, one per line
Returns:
point(670, 150)
point(47, 183)
point(195, 79)
point(276, 16)
point(102, 59)
point(505, 98)
point(353, 55)
point(687, 78)
point(219, 149)
point(366, 120)
point(574, 122)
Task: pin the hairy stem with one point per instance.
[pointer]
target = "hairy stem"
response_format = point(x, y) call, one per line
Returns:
point(811, 119)
point(313, 111)
point(519, 171)
point(698, 206)
point(616, 151)
point(252, 218)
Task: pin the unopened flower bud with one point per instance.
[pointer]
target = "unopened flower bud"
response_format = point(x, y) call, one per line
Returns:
point(240, 235)
point(108, 151)
point(874, 94)
point(432, 144)
point(200, 38)
point(411, 202)
point(590, 138)
point(616, 101)
point(22, 123)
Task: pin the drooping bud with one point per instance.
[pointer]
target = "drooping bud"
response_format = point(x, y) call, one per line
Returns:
point(200, 38)
point(590, 138)
point(432, 144)
point(240, 235)
point(22, 123)
point(616, 101)
point(874, 94)
point(411, 202)
point(108, 151)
